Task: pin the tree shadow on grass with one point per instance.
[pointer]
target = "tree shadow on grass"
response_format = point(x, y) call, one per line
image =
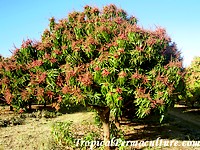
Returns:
point(172, 128)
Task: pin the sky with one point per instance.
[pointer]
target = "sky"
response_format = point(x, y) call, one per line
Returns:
point(23, 19)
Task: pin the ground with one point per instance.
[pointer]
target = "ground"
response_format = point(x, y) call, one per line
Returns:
point(34, 131)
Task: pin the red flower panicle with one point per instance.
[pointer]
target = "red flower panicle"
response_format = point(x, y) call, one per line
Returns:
point(121, 50)
point(53, 60)
point(66, 89)
point(24, 94)
point(120, 98)
point(118, 20)
point(36, 63)
point(97, 68)
point(119, 90)
point(26, 43)
point(8, 96)
point(116, 55)
point(85, 79)
point(59, 99)
point(105, 73)
point(47, 56)
point(21, 110)
point(122, 74)
point(42, 77)
point(58, 52)
point(59, 81)
point(40, 92)
point(50, 94)
point(136, 75)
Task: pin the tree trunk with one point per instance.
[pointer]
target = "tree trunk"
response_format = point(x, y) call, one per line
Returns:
point(45, 104)
point(117, 123)
point(11, 108)
point(29, 106)
point(104, 115)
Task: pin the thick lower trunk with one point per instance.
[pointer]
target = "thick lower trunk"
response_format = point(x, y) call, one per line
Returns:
point(11, 108)
point(29, 106)
point(106, 129)
point(104, 113)
point(45, 104)
point(117, 123)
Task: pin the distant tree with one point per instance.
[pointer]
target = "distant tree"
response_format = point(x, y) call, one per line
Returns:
point(1, 76)
point(101, 59)
point(192, 79)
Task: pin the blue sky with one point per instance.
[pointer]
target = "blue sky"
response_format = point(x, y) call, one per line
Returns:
point(22, 19)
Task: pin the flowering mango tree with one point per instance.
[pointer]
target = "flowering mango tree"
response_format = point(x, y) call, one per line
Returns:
point(99, 58)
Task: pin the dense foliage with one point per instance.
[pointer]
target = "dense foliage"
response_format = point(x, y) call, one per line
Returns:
point(101, 59)
point(192, 79)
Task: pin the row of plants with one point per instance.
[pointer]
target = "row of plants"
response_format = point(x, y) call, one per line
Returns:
point(101, 59)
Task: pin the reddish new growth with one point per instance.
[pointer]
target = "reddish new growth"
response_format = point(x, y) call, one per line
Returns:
point(15, 51)
point(145, 79)
point(105, 73)
point(122, 36)
point(174, 64)
point(58, 52)
point(21, 110)
point(1, 65)
point(36, 63)
point(40, 92)
point(139, 48)
point(59, 81)
point(120, 98)
point(24, 94)
point(4, 80)
point(85, 79)
point(56, 106)
point(50, 94)
point(66, 90)
point(161, 33)
point(116, 55)
point(162, 79)
point(69, 74)
point(8, 96)
point(122, 74)
point(118, 20)
point(42, 77)
point(136, 75)
point(26, 43)
point(53, 60)
point(59, 99)
point(97, 68)
point(151, 41)
point(121, 50)
point(119, 90)
point(159, 101)
point(94, 10)
point(141, 93)
point(155, 103)
point(91, 40)
point(46, 56)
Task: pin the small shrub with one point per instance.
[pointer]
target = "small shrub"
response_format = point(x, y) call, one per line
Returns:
point(66, 135)
point(11, 121)
point(62, 134)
